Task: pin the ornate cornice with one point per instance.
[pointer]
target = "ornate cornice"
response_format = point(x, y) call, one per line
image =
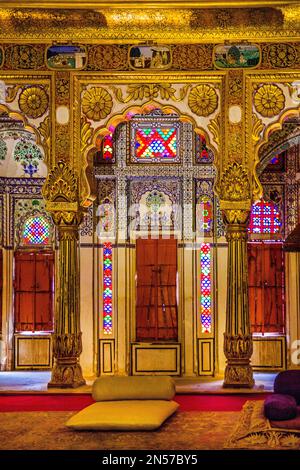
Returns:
point(154, 20)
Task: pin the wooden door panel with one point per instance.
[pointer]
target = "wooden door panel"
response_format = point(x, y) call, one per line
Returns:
point(24, 312)
point(146, 250)
point(167, 276)
point(167, 252)
point(34, 289)
point(43, 311)
point(166, 297)
point(44, 274)
point(145, 275)
point(254, 266)
point(145, 296)
point(266, 287)
point(156, 309)
point(25, 274)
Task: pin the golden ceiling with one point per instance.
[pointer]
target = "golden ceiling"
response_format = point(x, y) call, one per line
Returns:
point(179, 21)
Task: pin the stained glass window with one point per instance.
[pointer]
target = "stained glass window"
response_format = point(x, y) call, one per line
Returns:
point(203, 153)
point(206, 287)
point(205, 214)
point(107, 288)
point(156, 143)
point(265, 218)
point(106, 152)
point(36, 231)
point(277, 162)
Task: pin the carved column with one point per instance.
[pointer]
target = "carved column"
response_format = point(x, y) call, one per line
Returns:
point(234, 189)
point(238, 346)
point(67, 343)
point(61, 194)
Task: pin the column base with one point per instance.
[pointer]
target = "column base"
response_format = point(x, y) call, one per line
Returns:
point(238, 376)
point(66, 376)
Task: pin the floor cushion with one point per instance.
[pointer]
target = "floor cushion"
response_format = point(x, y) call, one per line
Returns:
point(280, 407)
point(133, 415)
point(291, 424)
point(133, 388)
point(288, 382)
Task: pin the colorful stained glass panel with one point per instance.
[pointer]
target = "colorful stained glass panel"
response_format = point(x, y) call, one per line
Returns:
point(36, 231)
point(107, 288)
point(205, 288)
point(265, 218)
point(155, 144)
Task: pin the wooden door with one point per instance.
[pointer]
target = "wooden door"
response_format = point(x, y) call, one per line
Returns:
point(34, 290)
point(266, 287)
point(156, 303)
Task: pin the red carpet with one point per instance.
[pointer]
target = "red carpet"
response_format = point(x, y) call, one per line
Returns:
point(76, 402)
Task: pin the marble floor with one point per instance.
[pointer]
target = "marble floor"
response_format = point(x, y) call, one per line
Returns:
point(36, 382)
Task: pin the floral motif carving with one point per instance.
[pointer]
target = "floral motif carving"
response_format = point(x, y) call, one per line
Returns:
point(86, 133)
point(24, 57)
point(235, 143)
point(33, 101)
point(62, 87)
point(44, 129)
point(3, 149)
point(96, 103)
point(11, 93)
point(203, 100)
point(62, 141)
point(61, 184)
point(150, 91)
point(107, 57)
point(269, 100)
point(281, 55)
point(234, 183)
point(215, 128)
point(192, 57)
point(257, 128)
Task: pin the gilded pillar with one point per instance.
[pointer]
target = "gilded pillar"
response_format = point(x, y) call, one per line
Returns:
point(61, 194)
point(238, 346)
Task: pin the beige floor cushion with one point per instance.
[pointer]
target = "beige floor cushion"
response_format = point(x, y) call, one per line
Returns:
point(133, 415)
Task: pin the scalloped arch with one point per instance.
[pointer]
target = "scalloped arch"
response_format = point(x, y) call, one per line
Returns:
point(128, 113)
point(294, 112)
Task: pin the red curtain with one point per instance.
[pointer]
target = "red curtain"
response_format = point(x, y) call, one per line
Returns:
point(266, 287)
point(156, 305)
point(34, 290)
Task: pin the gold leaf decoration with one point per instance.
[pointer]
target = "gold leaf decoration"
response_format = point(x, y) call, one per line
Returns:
point(61, 184)
point(33, 101)
point(44, 129)
point(96, 103)
point(203, 100)
point(269, 100)
point(11, 93)
point(85, 133)
point(257, 128)
point(215, 128)
point(234, 183)
point(150, 91)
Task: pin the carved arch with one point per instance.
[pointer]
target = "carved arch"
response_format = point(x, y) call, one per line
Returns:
point(89, 137)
